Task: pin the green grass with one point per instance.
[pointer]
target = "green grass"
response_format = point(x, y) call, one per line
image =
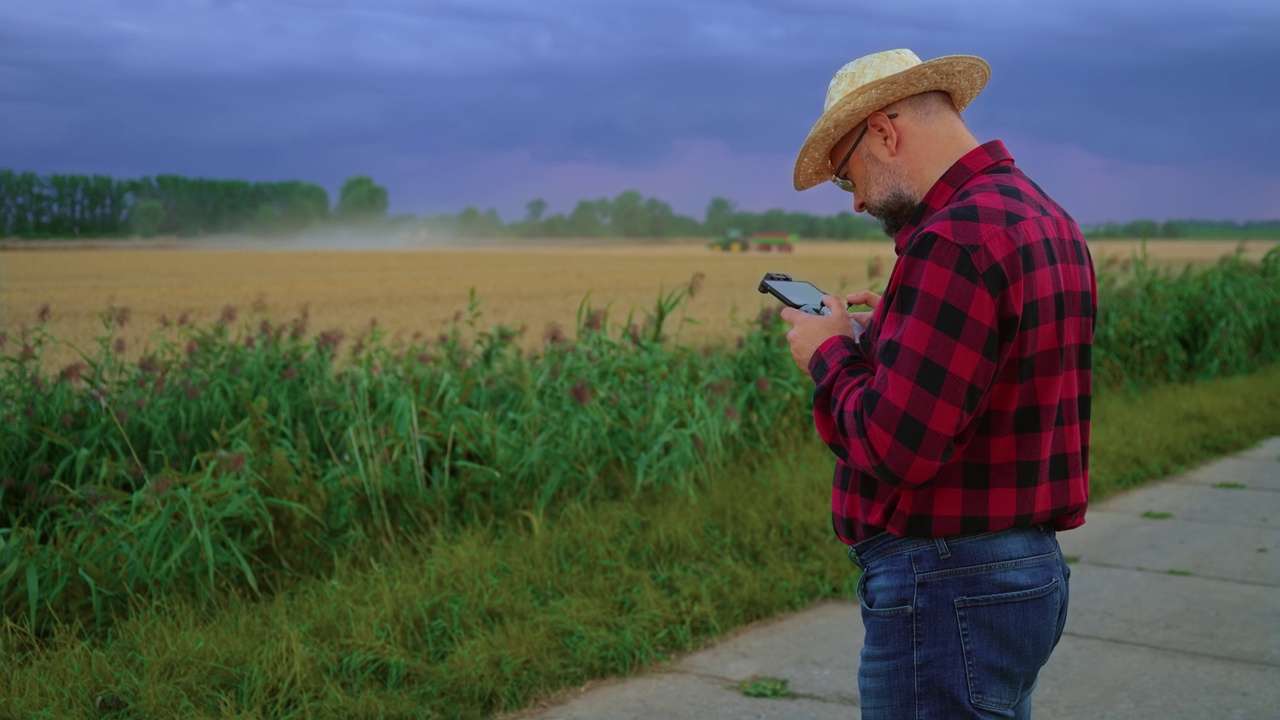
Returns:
point(1157, 515)
point(765, 687)
point(470, 625)
point(488, 619)
point(1230, 485)
point(1170, 428)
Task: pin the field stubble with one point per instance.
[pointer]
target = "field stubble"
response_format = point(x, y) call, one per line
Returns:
point(407, 291)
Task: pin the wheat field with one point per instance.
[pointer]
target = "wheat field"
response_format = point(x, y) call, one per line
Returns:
point(409, 291)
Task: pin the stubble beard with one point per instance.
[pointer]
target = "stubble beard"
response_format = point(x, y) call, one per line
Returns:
point(894, 202)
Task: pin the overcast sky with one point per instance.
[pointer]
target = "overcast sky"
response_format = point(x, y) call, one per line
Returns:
point(1119, 108)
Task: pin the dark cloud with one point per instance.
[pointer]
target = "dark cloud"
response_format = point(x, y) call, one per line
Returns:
point(321, 89)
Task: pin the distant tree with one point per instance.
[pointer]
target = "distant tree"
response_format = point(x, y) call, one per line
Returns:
point(555, 226)
point(659, 217)
point(535, 208)
point(361, 200)
point(720, 212)
point(586, 219)
point(469, 221)
point(473, 223)
point(265, 220)
point(146, 217)
point(626, 216)
point(1142, 229)
point(1171, 229)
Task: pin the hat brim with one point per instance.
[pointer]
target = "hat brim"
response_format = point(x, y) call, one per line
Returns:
point(961, 76)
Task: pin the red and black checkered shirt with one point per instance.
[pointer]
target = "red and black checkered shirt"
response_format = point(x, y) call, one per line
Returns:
point(964, 408)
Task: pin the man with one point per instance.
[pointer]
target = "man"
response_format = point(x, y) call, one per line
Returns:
point(960, 418)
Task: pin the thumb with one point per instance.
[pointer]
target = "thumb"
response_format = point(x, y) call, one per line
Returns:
point(863, 297)
point(834, 305)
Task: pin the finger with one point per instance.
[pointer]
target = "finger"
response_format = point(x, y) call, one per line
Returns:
point(833, 304)
point(863, 318)
point(790, 315)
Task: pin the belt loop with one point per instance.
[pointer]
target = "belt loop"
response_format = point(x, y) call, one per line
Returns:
point(944, 552)
point(853, 555)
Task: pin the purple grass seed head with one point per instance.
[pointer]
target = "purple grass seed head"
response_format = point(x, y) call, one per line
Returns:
point(581, 392)
point(553, 335)
point(119, 316)
point(72, 372)
point(695, 283)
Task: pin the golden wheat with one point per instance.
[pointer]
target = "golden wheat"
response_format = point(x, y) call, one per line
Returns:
point(535, 286)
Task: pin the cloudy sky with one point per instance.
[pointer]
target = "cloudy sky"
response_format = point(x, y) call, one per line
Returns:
point(1119, 108)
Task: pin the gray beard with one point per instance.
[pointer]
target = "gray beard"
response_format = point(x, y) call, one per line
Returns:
point(893, 210)
point(895, 206)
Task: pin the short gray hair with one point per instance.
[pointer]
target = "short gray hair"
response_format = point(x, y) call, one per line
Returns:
point(927, 105)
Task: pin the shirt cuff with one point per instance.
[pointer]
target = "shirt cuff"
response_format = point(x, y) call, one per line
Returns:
point(834, 352)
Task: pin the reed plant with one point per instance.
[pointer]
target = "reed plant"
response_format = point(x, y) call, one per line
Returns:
point(1158, 326)
point(245, 455)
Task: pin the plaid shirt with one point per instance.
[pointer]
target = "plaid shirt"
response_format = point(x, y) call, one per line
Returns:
point(964, 408)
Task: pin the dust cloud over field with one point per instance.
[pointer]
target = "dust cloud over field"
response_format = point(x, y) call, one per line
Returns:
point(346, 282)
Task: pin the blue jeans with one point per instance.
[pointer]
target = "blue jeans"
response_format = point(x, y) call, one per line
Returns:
point(958, 627)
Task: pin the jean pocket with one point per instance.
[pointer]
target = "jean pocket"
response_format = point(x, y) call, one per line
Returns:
point(881, 597)
point(1006, 639)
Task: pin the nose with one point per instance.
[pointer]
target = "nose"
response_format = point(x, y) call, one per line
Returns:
point(859, 202)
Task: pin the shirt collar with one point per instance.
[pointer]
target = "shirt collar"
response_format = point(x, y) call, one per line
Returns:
point(974, 163)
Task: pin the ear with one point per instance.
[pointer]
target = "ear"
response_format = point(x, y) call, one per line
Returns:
point(882, 135)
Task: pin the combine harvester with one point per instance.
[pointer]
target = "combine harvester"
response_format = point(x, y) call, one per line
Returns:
point(735, 241)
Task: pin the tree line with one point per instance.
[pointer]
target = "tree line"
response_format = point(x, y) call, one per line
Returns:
point(45, 206)
point(631, 215)
point(1172, 229)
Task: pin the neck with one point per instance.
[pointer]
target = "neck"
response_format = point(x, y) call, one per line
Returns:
point(941, 149)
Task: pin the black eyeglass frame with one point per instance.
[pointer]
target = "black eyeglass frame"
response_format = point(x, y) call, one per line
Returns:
point(843, 183)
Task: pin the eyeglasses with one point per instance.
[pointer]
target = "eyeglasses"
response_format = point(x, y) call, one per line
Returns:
point(842, 183)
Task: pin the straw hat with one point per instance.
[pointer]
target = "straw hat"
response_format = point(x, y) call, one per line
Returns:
point(875, 81)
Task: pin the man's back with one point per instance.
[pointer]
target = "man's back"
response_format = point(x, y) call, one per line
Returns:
point(976, 418)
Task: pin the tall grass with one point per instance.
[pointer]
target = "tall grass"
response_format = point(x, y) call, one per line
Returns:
point(245, 457)
point(492, 619)
point(1158, 326)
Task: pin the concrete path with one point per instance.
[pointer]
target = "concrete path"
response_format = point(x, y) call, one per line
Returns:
point(1175, 614)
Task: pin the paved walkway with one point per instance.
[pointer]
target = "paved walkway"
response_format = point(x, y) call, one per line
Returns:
point(1175, 614)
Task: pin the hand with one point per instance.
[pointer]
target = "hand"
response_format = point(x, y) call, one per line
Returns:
point(864, 297)
point(810, 331)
